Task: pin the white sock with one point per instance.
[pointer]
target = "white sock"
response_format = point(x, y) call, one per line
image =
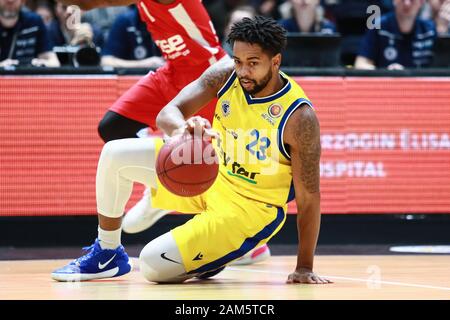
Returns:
point(109, 239)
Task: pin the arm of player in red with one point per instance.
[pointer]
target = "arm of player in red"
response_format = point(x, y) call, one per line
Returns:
point(302, 134)
point(175, 117)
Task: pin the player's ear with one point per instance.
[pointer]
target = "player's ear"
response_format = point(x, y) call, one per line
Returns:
point(276, 60)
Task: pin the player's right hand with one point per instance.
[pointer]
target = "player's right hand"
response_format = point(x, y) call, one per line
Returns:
point(198, 126)
point(306, 276)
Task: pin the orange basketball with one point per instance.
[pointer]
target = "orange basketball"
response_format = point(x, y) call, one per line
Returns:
point(187, 166)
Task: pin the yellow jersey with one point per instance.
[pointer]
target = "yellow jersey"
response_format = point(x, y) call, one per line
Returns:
point(253, 158)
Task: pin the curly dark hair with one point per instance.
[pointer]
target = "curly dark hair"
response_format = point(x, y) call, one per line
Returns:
point(260, 30)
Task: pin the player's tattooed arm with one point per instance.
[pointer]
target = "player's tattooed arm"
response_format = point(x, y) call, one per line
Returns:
point(302, 134)
point(194, 96)
point(215, 77)
point(307, 136)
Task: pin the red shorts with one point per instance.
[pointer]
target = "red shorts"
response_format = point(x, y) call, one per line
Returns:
point(143, 101)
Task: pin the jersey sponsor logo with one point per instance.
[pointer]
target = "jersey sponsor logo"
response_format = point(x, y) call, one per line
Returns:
point(173, 47)
point(240, 172)
point(275, 110)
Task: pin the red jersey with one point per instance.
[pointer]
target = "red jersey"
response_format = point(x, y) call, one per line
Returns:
point(183, 31)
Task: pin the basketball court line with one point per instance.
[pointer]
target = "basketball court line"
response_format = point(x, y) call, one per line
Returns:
point(368, 281)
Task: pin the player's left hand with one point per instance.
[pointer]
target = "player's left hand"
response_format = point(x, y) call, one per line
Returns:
point(304, 275)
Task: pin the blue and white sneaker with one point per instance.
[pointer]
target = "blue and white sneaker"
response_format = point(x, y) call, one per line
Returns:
point(98, 263)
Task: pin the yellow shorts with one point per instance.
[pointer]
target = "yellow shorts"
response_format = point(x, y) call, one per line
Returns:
point(226, 226)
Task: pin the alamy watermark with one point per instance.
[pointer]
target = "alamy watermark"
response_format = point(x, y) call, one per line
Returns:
point(374, 20)
point(374, 279)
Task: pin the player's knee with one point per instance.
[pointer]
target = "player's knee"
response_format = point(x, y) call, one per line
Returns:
point(108, 151)
point(155, 270)
point(111, 157)
point(155, 273)
point(152, 274)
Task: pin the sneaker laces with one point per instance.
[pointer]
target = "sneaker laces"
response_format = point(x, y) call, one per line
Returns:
point(89, 250)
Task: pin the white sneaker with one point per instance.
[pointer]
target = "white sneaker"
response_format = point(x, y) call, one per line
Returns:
point(256, 255)
point(142, 216)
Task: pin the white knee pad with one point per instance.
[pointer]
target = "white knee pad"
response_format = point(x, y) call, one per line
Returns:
point(108, 160)
point(160, 261)
point(123, 162)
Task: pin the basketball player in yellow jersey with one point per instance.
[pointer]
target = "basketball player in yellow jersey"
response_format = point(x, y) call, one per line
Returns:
point(268, 140)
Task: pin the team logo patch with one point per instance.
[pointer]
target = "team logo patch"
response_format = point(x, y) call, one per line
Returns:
point(226, 109)
point(275, 110)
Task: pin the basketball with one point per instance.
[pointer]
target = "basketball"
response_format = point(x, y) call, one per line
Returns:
point(187, 166)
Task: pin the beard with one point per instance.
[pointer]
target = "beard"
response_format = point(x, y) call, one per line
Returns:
point(257, 86)
point(9, 14)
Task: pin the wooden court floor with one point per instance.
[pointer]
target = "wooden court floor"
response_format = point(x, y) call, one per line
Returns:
point(355, 277)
